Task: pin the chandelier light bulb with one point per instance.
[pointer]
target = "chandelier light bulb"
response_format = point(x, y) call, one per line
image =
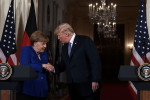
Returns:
point(104, 16)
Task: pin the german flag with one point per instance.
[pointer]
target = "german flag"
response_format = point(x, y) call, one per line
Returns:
point(30, 26)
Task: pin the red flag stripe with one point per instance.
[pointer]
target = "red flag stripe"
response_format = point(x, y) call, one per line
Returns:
point(132, 90)
point(25, 40)
point(137, 57)
point(14, 58)
point(147, 61)
point(137, 61)
point(10, 61)
point(134, 61)
point(148, 56)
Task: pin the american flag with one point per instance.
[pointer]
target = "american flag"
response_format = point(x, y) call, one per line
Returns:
point(141, 48)
point(8, 40)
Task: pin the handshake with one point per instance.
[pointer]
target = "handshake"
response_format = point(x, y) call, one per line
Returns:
point(48, 67)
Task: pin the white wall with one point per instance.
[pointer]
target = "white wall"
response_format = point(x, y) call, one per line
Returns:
point(148, 15)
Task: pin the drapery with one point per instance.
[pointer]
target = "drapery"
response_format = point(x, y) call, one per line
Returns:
point(148, 15)
point(21, 9)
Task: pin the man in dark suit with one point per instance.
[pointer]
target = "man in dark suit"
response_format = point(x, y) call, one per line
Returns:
point(80, 59)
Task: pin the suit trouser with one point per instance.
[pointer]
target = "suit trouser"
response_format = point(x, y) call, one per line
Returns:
point(75, 93)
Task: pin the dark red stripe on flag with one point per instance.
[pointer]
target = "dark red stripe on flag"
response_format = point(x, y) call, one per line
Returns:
point(147, 61)
point(144, 59)
point(10, 61)
point(135, 62)
point(134, 95)
point(0, 61)
point(25, 40)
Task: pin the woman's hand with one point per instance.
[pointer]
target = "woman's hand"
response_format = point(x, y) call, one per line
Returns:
point(48, 67)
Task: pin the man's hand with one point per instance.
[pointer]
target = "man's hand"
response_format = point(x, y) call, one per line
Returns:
point(95, 86)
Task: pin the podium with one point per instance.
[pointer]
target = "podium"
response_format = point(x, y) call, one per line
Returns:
point(19, 74)
point(129, 73)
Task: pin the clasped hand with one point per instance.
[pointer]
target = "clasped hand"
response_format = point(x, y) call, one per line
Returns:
point(95, 86)
point(48, 67)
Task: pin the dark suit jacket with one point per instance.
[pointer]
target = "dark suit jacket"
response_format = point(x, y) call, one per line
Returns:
point(83, 66)
point(38, 87)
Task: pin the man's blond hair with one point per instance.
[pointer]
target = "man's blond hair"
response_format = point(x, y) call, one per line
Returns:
point(64, 28)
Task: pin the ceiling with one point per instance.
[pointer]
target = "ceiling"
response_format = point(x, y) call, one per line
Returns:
point(120, 3)
point(124, 7)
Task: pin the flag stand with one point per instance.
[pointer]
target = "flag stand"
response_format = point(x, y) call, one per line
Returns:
point(8, 95)
point(144, 94)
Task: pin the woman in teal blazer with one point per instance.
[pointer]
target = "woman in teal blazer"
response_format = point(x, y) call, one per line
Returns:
point(36, 57)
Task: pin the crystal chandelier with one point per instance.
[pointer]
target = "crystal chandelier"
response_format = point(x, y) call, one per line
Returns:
point(105, 18)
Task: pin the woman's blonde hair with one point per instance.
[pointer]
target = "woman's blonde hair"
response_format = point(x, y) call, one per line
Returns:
point(38, 36)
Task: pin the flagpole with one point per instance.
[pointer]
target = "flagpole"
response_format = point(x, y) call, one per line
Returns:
point(144, 45)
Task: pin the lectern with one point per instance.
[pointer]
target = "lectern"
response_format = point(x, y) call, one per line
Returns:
point(129, 73)
point(19, 74)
